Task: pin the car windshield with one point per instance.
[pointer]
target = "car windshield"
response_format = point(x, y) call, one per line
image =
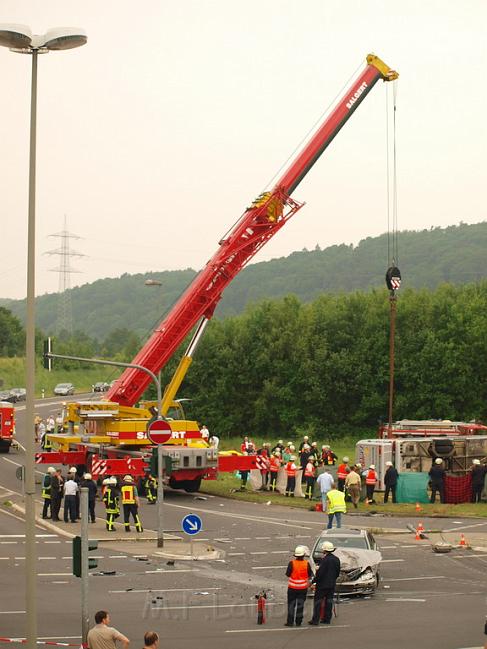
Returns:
point(342, 542)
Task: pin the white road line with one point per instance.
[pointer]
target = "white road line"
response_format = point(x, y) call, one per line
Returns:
point(54, 574)
point(11, 612)
point(267, 567)
point(235, 554)
point(391, 560)
point(280, 552)
point(404, 599)
point(242, 538)
point(470, 556)
point(464, 527)
point(117, 556)
point(298, 628)
point(262, 538)
point(413, 546)
point(8, 542)
point(60, 582)
point(264, 552)
point(388, 547)
point(414, 578)
point(22, 536)
point(161, 590)
point(303, 536)
point(160, 572)
point(52, 541)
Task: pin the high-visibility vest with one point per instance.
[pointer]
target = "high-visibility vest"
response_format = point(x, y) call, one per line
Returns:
point(111, 501)
point(290, 469)
point(298, 578)
point(337, 501)
point(309, 471)
point(342, 471)
point(371, 477)
point(275, 464)
point(46, 487)
point(128, 494)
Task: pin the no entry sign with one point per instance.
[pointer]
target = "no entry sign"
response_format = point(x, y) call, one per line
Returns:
point(159, 431)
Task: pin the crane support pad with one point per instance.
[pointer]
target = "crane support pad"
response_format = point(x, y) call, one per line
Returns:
point(230, 463)
point(134, 466)
point(68, 457)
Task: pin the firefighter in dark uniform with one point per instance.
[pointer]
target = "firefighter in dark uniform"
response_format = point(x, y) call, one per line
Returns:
point(130, 502)
point(325, 581)
point(299, 574)
point(150, 486)
point(437, 477)
point(46, 492)
point(110, 499)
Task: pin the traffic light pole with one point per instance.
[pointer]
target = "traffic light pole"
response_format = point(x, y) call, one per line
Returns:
point(85, 616)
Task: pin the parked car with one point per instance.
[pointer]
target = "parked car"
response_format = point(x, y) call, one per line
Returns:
point(5, 395)
point(63, 389)
point(18, 394)
point(101, 386)
point(359, 558)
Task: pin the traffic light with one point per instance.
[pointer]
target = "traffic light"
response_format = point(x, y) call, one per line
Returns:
point(47, 362)
point(92, 563)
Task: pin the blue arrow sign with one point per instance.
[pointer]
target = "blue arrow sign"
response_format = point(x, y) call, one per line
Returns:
point(192, 524)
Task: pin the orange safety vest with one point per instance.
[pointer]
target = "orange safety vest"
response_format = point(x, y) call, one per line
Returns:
point(371, 477)
point(275, 464)
point(342, 471)
point(128, 494)
point(291, 469)
point(309, 471)
point(299, 579)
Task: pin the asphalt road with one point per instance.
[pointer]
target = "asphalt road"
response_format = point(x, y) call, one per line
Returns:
point(425, 600)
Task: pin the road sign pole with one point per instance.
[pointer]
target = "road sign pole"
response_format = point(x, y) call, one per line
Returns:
point(85, 617)
point(160, 499)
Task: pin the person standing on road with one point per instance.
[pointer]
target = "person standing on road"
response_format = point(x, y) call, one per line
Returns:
point(478, 476)
point(59, 422)
point(150, 486)
point(130, 502)
point(110, 499)
point(71, 489)
point(299, 574)
point(437, 477)
point(325, 582)
point(46, 492)
point(57, 490)
point(336, 506)
point(342, 472)
point(325, 483)
point(102, 636)
point(353, 482)
point(72, 473)
point(371, 479)
point(390, 482)
point(92, 493)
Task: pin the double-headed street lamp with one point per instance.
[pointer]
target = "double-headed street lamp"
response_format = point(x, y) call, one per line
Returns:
point(19, 38)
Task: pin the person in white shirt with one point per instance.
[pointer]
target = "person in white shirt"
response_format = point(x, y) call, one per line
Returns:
point(70, 491)
point(325, 482)
point(205, 433)
point(50, 423)
point(214, 442)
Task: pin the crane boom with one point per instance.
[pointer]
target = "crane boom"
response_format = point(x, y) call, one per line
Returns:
point(259, 223)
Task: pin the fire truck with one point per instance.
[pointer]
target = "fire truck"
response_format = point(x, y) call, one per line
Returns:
point(110, 436)
point(7, 426)
point(413, 445)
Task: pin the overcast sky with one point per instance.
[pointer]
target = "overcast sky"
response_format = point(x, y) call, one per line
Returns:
point(155, 136)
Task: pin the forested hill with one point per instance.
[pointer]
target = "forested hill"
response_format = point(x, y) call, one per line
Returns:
point(427, 258)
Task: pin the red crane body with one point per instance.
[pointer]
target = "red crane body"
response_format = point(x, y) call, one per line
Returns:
point(255, 227)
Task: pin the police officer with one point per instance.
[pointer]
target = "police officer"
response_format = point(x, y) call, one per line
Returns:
point(110, 499)
point(57, 485)
point(130, 502)
point(325, 581)
point(46, 491)
point(390, 482)
point(437, 477)
point(150, 486)
point(299, 574)
point(92, 492)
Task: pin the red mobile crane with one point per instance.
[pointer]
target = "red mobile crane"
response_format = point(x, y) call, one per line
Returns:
point(259, 223)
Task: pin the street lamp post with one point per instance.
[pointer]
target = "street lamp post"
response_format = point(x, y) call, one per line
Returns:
point(19, 38)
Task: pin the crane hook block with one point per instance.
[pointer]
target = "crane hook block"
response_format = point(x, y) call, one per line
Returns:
point(393, 278)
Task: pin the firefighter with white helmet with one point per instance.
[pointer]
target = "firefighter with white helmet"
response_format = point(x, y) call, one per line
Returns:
point(299, 573)
point(111, 501)
point(342, 471)
point(371, 479)
point(90, 484)
point(437, 478)
point(291, 470)
point(130, 503)
point(325, 582)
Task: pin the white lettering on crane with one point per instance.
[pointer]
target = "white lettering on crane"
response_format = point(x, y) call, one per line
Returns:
point(356, 95)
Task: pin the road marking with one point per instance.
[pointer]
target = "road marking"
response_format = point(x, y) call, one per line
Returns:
point(8, 542)
point(470, 556)
point(391, 560)
point(414, 578)
point(414, 546)
point(54, 574)
point(267, 567)
point(22, 536)
point(280, 552)
point(464, 527)
point(387, 547)
point(262, 538)
point(298, 628)
point(302, 536)
point(242, 538)
point(160, 590)
point(264, 552)
point(117, 556)
point(52, 541)
point(235, 554)
point(404, 599)
point(11, 612)
point(60, 582)
point(159, 572)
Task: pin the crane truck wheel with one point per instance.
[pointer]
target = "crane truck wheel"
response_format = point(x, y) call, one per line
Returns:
point(190, 486)
point(177, 484)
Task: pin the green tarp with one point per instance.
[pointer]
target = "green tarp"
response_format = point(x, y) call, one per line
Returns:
point(412, 488)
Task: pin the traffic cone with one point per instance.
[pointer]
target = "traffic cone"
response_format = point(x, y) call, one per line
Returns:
point(463, 543)
point(418, 535)
point(418, 507)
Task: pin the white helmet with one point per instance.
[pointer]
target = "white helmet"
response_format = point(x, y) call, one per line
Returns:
point(292, 458)
point(51, 469)
point(438, 460)
point(292, 447)
point(388, 463)
point(300, 551)
point(372, 466)
point(328, 547)
point(280, 442)
point(72, 469)
point(112, 480)
point(128, 478)
point(325, 446)
point(358, 465)
point(305, 437)
point(87, 476)
point(346, 459)
point(306, 447)
point(476, 461)
point(106, 482)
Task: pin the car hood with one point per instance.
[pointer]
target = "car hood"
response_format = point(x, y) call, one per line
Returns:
point(358, 558)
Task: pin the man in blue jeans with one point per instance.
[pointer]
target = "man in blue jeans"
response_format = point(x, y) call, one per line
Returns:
point(325, 483)
point(336, 506)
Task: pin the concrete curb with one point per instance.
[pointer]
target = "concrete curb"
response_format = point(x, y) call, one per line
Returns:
point(213, 555)
point(44, 523)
